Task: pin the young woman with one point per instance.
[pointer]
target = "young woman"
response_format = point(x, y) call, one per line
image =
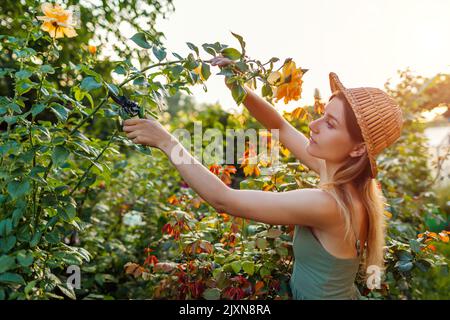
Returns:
point(332, 221)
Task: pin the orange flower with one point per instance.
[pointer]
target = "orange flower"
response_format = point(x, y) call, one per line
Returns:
point(196, 202)
point(173, 200)
point(215, 168)
point(226, 174)
point(319, 106)
point(225, 216)
point(429, 247)
point(288, 82)
point(299, 113)
point(92, 49)
point(250, 163)
point(252, 169)
point(57, 22)
point(151, 260)
point(444, 236)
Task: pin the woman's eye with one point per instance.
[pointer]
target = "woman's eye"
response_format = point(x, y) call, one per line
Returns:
point(329, 125)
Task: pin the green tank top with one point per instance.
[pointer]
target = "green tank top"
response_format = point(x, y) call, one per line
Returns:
point(317, 274)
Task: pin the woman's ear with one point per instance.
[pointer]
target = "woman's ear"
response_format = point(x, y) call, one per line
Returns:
point(358, 150)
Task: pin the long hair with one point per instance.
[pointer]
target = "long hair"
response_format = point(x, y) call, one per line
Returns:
point(357, 171)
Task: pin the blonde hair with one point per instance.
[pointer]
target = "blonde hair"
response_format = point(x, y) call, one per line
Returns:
point(357, 171)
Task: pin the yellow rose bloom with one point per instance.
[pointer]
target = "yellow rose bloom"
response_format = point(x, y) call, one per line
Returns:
point(288, 82)
point(57, 21)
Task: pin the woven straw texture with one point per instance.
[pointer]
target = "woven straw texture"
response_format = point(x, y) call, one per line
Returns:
point(378, 115)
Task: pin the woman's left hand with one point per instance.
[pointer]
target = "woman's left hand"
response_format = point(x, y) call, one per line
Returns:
point(147, 132)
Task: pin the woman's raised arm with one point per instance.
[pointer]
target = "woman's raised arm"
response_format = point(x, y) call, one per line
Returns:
point(294, 140)
point(310, 207)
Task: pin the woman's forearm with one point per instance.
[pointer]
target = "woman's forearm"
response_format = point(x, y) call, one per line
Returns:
point(207, 185)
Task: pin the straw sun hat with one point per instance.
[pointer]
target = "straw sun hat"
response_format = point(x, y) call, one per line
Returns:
point(378, 116)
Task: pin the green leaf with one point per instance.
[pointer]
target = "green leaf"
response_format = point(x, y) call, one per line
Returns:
point(264, 272)
point(5, 227)
point(16, 216)
point(120, 70)
point(404, 266)
point(89, 97)
point(282, 251)
point(273, 233)
point(139, 81)
point(249, 267)
point(209, 49)
point(25, 260)
point(7, 244)
point(236, 265)
point(238, 93)
point(17, 189)
point(6, 263)
point(23, 86)
point(266, 90)
point(24, 233)
point(423, 265)
point(231, 53)
point(68, 292)
point(404, 255)
point(160, 54)
point(46, 68)
point(415, 245)
point(241, 41)
point(206, 72)
point(241, 66)
point(261, 243)
point(23, 74)
point(190, 63)
point(60, 111)
point(25, 52)
point(36, 238)
point(220, 259)
point(79, 95)
point(192, 47)
point(11, 278)
point(212, 294)
point(140, 40)
point(68, 213)
point(37, 108)
point(89, 83)
point(60, 155)
point(14, 107)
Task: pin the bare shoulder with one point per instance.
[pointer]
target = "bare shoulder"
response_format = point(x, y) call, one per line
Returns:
point(326, 202)
point(322, 207)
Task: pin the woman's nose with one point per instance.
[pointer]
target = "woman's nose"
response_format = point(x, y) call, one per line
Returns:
point(312, 126)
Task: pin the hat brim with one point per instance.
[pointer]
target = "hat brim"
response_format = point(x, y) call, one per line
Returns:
point(336, 84)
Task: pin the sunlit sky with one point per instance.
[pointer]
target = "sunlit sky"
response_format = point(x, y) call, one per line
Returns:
point(364, 41)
